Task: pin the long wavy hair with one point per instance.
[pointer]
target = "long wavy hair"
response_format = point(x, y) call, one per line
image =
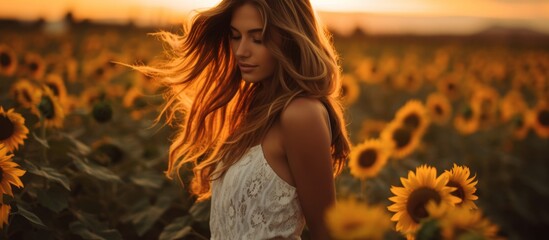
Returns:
point(218, 116)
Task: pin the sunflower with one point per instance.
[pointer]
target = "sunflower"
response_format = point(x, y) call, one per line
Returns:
point(439, 108)
point(419, 188)
point(371, 128)
point(90, 96)
point(367, 70)
point(465, 186)
point(402, 140)
point(467, 119)
point(487, 99)
point(539, 119)
point(413, 115)
point(146, 83)
point(57, 86)
point(4, 214)
point(98, 71)
point(520, 125)
point(349, 219)
point(134, 101)
point(368, 158)
point(349, 89)
point(450, 86)
point(35, 66)
point(513, 103)
point(12, 129)
point(106, 151)
point(50, 109)
point(9, 173)
point(26, 94)
point(8, 61)
point(456, 221)
point(409, 80)
point(434, 70)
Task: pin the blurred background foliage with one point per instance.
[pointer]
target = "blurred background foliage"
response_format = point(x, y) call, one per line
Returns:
point(96, 171)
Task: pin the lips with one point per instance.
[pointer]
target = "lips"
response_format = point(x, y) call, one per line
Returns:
point(246, 68)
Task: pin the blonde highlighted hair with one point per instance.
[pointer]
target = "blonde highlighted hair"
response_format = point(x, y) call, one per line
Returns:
point(224, 116)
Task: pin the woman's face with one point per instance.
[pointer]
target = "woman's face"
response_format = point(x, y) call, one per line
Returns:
point(255, 61)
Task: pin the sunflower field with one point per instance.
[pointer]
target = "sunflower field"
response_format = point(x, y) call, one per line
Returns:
point(450, 138)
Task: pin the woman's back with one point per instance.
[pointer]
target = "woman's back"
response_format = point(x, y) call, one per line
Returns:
point(250, 201)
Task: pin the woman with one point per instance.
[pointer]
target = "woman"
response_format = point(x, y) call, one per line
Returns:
point(258, 82)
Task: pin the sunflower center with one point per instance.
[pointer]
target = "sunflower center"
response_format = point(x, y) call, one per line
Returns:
point(451, 87)
point(438, 110)
point(99, 72)
point(412, 121)
point(53, 88)
point(350, 226)
point(459, 190)
point(367, 158)
point(139, 103)
point(33, 66)
point(5, 59)
point(402, 137)
point(7, 127)
point(114, 153)
point(417, 201)
point(26, 95)
point(543, 118)
point(410, 79)
point(46, 107)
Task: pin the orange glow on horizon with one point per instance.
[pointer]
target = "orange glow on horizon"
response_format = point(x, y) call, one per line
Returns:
point(395, 15)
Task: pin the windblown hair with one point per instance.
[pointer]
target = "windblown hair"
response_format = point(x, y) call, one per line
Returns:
point(223, 115)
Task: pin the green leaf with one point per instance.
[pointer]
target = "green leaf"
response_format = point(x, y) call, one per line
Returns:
point(80, 146)
point(89, 221)
point(80, 229)
point(48, 173)
point(30, 216)
point(148, 179)
point(470, 236)
point(43, 142)
point(200, 211)
point(178, 228)
point(145, 215)
point(428, 230)
point(99, 172)
point(53, 198)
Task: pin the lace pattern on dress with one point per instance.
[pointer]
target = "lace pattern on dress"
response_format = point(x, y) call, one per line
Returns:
point(252, 202)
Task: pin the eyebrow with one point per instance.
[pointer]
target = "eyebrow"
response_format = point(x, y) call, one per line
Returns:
point(254, 30)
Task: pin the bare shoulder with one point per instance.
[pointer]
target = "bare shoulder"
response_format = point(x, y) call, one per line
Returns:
point(302, 111)
point(305, 124)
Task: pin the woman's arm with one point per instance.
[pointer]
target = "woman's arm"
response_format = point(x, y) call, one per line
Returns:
point(306, 139)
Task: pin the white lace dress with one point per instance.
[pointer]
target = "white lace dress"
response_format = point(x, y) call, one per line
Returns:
point(252, 202)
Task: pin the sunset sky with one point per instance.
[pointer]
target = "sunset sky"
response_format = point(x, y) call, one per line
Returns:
point(390, 16)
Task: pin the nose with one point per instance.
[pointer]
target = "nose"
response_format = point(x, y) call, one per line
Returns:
point(243, 49)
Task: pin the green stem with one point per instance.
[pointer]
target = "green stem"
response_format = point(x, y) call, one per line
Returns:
point(198, 235)
point(363, 189)
point(43, 136)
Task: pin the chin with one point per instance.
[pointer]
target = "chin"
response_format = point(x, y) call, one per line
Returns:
point(252, 79)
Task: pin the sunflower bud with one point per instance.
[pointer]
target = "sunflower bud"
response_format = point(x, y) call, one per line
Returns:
point(102, 112)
